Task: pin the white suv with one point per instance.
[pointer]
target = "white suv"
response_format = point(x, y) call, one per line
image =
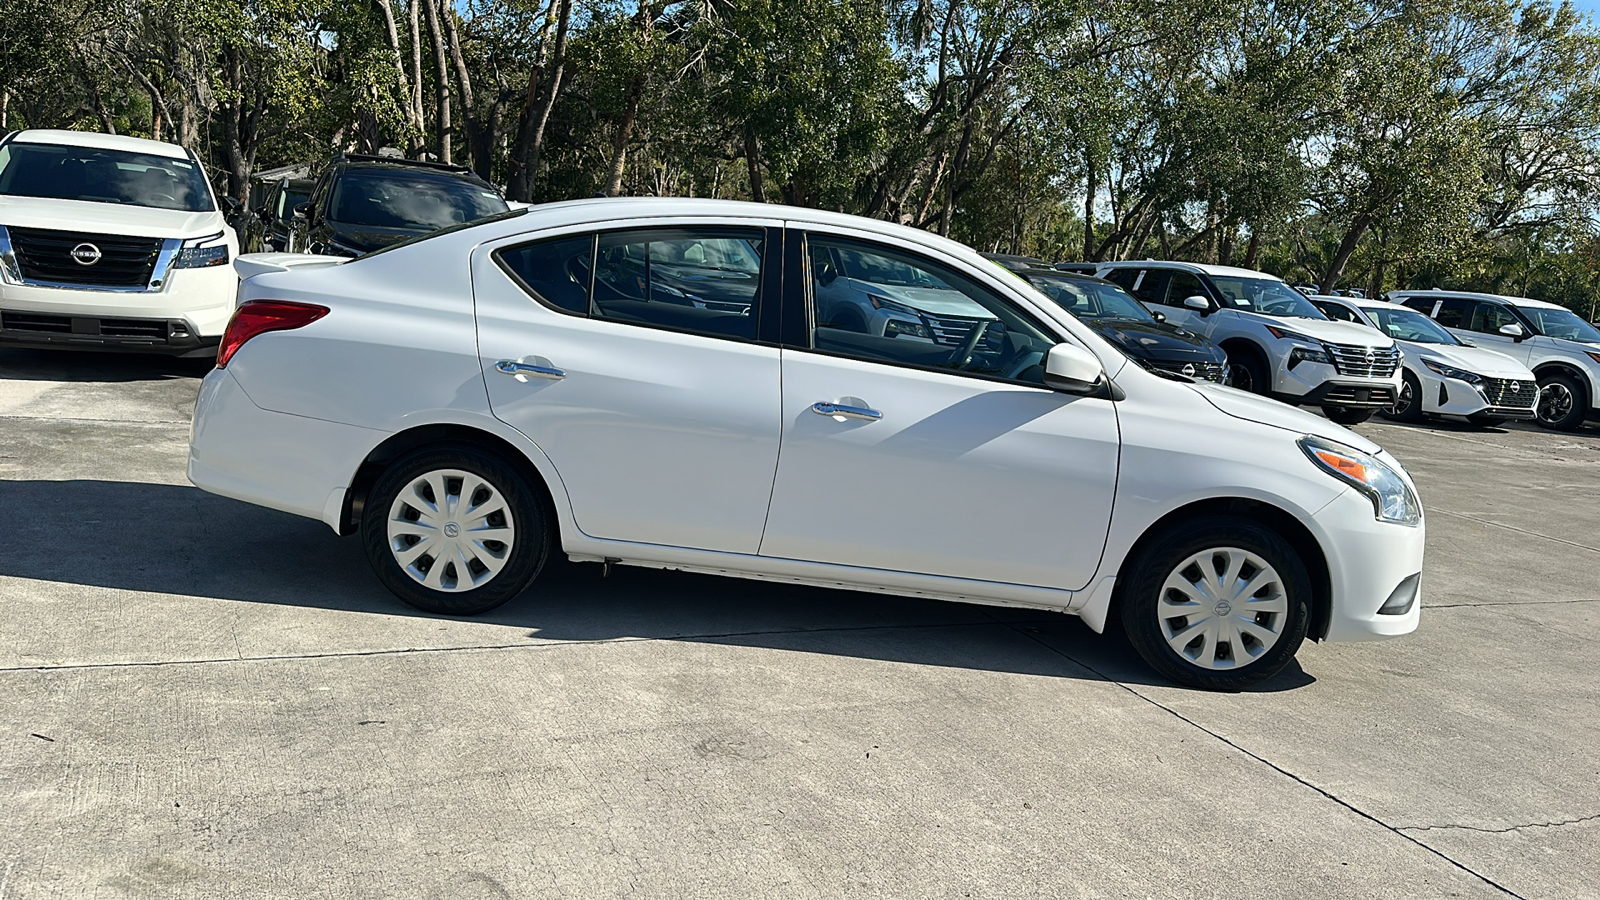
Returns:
point(473, 401)
point(111, 243)
point(1562, 350)
point(1278, 343)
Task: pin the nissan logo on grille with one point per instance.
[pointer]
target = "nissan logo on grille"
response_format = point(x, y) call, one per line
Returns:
point(1188, 370)
point(85, 254)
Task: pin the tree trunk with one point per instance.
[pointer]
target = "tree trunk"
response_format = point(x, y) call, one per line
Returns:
point(1347, 248)
point(441, 79)
point(527, 169)
point(1375, 286)
point(1253, 249)
point(417, 142)
point(477, 147)
point(412, 115)
point(619, 147)
point(752, 158)
point(1225, 242)
point(1091, 187)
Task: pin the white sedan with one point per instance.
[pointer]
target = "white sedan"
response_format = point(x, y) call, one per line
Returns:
point(1443, 375)
point(473, 401)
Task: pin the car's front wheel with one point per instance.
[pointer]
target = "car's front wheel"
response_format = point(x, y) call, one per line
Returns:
point(1408, 403)
point(1247, 371)
point(1217, 602)
point(1563, 402)
point(454, 531)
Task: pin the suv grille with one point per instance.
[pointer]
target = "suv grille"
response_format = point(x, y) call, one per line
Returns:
point(47, 256)
point(1514, 394)
point(1198, 371)
point(1364, 362)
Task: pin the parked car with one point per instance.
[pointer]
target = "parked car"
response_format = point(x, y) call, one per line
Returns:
point(111, 243)
point(1278, 343)
point(492, 405)
point(364, 203)
point(1561, 349)
point(1443, 376)
point(1147, 338)
point(269, 227)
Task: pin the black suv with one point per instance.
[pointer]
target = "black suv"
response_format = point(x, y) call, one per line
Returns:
point(267, 228)
point(365, 203)
point(1115, 315)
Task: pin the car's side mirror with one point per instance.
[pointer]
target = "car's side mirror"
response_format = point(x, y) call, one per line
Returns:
point(302, 210)
point(1199, 303)
point(1072, 369)
point(1158, 315)
point(1513, 330)
point(233, 205)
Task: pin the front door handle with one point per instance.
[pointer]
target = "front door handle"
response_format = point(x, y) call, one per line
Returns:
point(827, 408)
point(513, 367)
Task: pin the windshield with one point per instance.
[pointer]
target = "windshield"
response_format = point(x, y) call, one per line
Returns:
point(416, 201)
point(1265, 295)
point(1408, 325)
point(103, 176)
point(1561, 323)
point(1090, 299)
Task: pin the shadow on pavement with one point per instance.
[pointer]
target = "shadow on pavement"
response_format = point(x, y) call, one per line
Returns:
point(23, 364)
point(179, 540)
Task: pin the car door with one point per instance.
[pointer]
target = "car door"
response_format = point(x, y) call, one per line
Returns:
point(1479, 324)
point(658, 408)
point(940, 453)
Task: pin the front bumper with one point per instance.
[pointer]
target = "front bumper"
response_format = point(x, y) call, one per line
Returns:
point(1319, 384)
point(1452, 397)
point(1367, 561)
point(187, 315)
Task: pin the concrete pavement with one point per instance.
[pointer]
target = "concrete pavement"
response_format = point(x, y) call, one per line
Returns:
point(199, 698)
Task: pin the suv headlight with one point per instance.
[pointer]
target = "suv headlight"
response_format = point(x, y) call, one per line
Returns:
point(1392, 499)
point(202, 252)
point(1445, 371)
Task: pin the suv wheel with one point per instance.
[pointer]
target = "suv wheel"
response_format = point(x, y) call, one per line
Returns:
point(1346, 416)
point(1563, 402)
point(1249, 373)
point(1218, 603)
point(454, 531)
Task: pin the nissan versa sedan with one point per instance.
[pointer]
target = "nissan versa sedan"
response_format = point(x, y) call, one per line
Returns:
point(473, 401)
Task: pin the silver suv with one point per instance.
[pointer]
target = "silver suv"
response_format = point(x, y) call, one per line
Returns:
point(1562, 349)
point(1278, 342)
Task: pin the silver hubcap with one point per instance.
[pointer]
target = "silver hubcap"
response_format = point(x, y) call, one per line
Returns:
point(451, 530)
point(1223, 608)
point(1555, 402)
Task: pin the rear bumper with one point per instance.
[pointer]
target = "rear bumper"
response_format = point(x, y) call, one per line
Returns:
point(290, 463)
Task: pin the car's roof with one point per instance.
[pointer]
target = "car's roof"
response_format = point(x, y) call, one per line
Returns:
point(1208, 268)
point(1360, 302)
point(99, 141)
point(1476, 295)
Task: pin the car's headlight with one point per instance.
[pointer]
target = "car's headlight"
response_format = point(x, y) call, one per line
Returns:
point(1392, 499)
point(1308, 354)
point(202, 252)
point(1445, 371)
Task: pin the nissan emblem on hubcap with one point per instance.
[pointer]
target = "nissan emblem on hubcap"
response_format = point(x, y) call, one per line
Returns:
point(451, 529)
point(85, 254)
point(1224, 607)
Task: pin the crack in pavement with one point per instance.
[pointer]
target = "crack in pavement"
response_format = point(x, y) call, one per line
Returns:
point(1279, 769)
point(1446, 512)
point(1499, 830)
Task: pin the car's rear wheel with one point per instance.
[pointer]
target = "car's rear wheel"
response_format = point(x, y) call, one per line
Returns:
point(1217, 602)
point(1408, 403)
point(1563, 402)
point(1346, 416)
point(454, 531)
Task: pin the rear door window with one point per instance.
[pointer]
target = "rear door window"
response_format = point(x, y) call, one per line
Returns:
point(1455, 313)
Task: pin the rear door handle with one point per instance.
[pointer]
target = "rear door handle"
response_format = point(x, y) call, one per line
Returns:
point(513, 367)
point(827, 408)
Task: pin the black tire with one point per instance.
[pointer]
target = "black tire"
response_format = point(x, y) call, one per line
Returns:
point(1346, 416)
point(1408, 403)
point(525, 512)
point(1563, 402)
point(1485, 421)
point(1146, 574)
point(1247, 371)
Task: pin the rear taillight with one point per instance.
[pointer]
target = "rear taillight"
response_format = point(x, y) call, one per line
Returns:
point(260, 317)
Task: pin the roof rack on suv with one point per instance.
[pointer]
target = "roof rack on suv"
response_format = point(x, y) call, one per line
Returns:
point(401, 161)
